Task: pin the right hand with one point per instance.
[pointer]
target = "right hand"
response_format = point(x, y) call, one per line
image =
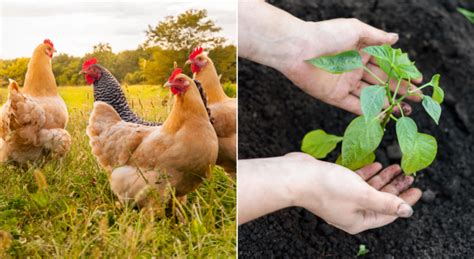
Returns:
point(351, 201)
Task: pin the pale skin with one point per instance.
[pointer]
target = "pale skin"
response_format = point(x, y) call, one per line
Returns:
point(351, 201)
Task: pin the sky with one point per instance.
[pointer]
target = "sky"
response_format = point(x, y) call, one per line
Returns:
point(75, 26)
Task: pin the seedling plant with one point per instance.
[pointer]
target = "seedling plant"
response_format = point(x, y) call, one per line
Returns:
point(364, 134)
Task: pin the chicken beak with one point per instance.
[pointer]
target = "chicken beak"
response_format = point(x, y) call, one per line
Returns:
point(188, 62)
point(82, 72)
point(167, 84)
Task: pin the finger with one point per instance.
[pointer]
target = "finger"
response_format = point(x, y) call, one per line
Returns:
point(365, 57)
point(406, 108)
point(398, 185)
point(384, 177)
point(385, 203)
point(404, 86)
point(350, 103)
point(411, 196)
point(369, 170)
point(372, 36)
point(372, 219)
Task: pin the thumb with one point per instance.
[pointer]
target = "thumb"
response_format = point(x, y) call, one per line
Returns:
point(387, 203)
point(370, 36)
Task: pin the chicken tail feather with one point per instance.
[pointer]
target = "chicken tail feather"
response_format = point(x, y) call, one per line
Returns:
point(21, 115)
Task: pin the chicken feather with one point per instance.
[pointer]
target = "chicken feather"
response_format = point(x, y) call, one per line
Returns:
point(222, 108)
point(178, 154)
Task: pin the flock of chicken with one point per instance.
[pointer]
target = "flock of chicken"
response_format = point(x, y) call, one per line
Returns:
point(172, 157)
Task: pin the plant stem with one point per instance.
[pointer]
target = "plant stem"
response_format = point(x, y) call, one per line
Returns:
point(384, 111)
point(374, 75)
point(406, 95)
point(396, 90)
point(387, 116)
point(420, 88)
point(387, 86)
point(401, 110)
point(393, 117)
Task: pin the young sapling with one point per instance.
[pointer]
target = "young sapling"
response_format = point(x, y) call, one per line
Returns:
point(364, 134)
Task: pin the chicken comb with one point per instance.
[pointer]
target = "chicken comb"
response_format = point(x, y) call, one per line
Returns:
point(49, 42)
point(176, 72)
point(196, 52)
point(89, 62)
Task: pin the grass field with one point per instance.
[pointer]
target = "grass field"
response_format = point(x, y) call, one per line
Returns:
point(73, 213)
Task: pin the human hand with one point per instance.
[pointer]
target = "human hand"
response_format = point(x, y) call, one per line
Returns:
point(334, 36)
point(352, 201)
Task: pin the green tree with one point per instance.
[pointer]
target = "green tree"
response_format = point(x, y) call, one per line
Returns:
point(185, 31)
point(157, 69)
point(66, 68)
point(15, 70)
point(127, 62)
point(104, 55)
point(224, 58)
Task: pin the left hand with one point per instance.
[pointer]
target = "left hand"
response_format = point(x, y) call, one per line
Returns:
point(331, 37)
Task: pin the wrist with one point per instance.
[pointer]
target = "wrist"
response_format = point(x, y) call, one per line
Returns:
point(302, 180)
point(268, 35)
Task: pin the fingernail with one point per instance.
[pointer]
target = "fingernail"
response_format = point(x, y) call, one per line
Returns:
point(394, 36)
point(404, 210)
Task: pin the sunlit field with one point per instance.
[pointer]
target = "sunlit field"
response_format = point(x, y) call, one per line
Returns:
point(75, 214)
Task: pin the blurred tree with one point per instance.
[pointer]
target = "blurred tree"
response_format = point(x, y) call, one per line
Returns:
point(15, 69)
point(66, 70)
point(157, 69)
point(224, 59)
point(185, 31)
point(127, 62)
point(102, 47)
point(104, 55)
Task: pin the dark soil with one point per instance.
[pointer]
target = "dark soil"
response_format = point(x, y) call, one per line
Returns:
point(274, 116)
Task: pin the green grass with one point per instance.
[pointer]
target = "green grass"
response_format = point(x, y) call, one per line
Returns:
point(76, 215)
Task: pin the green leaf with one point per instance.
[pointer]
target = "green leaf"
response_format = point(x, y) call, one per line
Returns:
point(406, 132)
point(438, 93)
point(318, 143)
point(435, 80)
point(362, 250)
point(361, 138)
point(421, 155)
point(418, 149)
point(404, 68)
point(393, 61)
point(339, 63)
point(369, 159)
point(371, 100)
point(468, 14)
point(384, 65)
point(432, 108)
point(383, 52)
point(383, 55)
